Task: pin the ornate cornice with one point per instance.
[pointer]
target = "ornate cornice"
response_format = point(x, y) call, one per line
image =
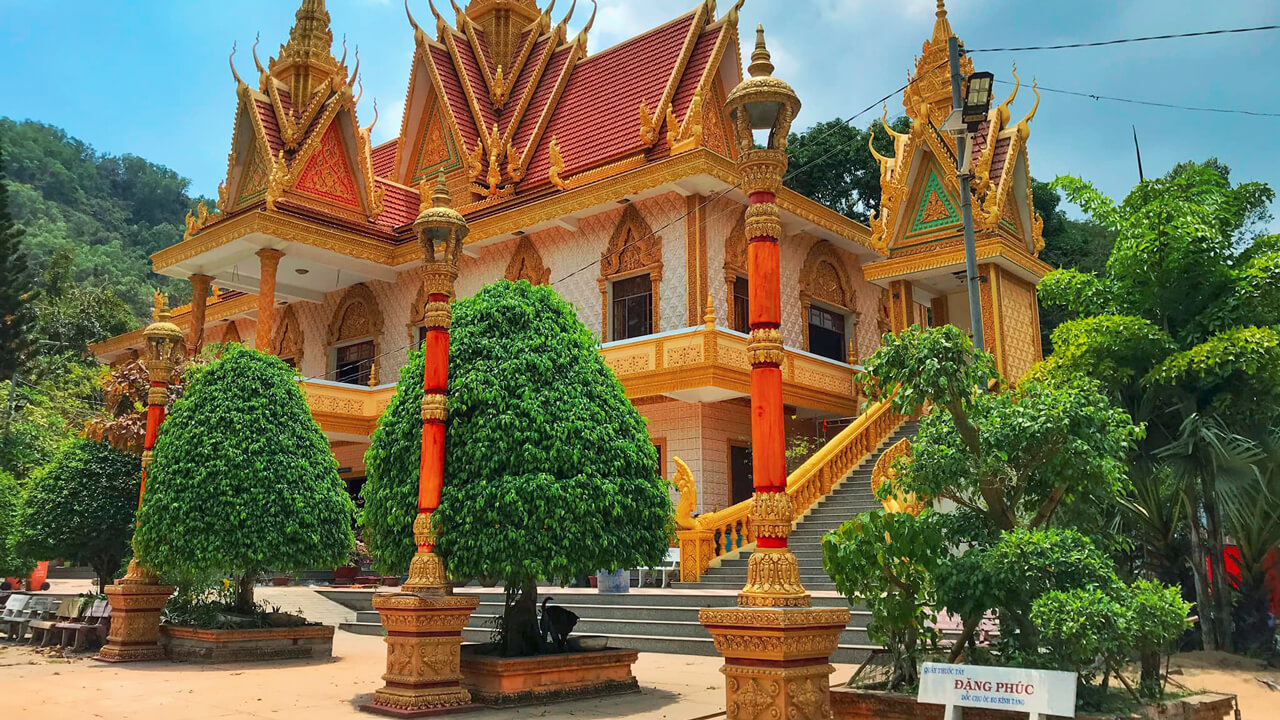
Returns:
point(1000, 248)
point(216, 311)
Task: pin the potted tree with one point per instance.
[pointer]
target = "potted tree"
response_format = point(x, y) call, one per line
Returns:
point(549, 476)
point(81, 507)
point(243, 481)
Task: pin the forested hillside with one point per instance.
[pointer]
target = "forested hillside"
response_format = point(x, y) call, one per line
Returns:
point(76, 231)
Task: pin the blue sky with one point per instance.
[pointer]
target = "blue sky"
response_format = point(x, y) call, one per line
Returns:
point(150, 77)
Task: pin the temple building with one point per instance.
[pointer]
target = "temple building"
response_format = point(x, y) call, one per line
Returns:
point(610, 175)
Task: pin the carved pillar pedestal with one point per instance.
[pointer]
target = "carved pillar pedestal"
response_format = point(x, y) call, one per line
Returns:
point(776, 658)
point(424, 643)
point(135, 620)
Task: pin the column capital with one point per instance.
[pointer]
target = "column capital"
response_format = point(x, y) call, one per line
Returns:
point(270, 255)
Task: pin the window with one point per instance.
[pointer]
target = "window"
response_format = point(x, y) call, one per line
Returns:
point(291, 362)
point(632, 308)
point(741, 306)
point(355, 363)
point(826, 333)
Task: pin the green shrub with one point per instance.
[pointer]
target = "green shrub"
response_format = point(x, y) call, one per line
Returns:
point(886, 561)
point(549, 471)
point(11, 563)
point(81, 507)
point(242, 480)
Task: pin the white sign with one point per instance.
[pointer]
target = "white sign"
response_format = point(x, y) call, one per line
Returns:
point(1036, 692)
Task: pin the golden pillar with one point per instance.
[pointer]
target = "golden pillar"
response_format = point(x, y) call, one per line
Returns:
point(137, 598)
point(270, 262)
point(902, 305)
point(424, 621)
point(199, 301)
point(776, 647)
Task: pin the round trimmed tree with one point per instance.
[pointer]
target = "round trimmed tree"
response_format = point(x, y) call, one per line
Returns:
point(549, 471)
point(242, 480)
point(81, 507)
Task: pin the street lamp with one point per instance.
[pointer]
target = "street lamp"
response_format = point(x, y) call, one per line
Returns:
point(424, 621)
point(973, 112)
point(773, 639)
point(137, 598)
point(977, 99)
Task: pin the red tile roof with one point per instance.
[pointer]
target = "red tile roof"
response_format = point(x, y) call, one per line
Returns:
point(688, 86)
point(399, 205)
point(541, 96)
point(598, 118)
point(999, 157)
point(384, 159)
point(267, 115)
point(475, 76)
point(454, 95)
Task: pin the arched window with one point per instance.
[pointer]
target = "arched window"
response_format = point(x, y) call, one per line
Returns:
point(827, 303)
point(630, 279)
point(735, 277)
point(526, 264)
point(288, 341)
point(355, 334)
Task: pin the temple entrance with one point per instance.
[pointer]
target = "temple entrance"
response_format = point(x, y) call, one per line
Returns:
point(740, 487)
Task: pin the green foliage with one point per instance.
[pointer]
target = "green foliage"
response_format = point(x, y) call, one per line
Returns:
point(109, 213)
point(1081, 294)
point(11, 563)
point(938, 365)
point(390, 490)
point(17, 287)
point(1233, 374)
point(81, 507)
point(833, 165)
point(887, 560)
point(1011, 456)
point(549, 472)
point(242, 479)
point(1114, 350)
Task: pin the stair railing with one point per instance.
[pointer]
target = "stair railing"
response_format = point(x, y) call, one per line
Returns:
point(713, 535)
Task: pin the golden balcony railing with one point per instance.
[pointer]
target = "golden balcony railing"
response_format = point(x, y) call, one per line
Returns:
point(713, 360)
point(344, 408)
point(707, 537)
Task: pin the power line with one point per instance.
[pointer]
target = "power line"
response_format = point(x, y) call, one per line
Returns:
point(1096, 96)
point(1148, 38)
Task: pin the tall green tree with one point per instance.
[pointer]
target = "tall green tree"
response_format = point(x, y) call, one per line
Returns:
point(830, 163)
point(17, 287)
point(1177, 327)
point(81, 507)
point(549, 470)
point(242, 480)
point(12, 564)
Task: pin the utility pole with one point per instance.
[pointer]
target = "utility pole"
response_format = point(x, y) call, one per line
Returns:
point(966, 199)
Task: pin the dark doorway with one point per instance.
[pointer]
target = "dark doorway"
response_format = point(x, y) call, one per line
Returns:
point(826, 333)
point(740, 487)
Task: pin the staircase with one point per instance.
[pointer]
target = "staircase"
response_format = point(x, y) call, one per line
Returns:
point(645, 620)
point(850, 497)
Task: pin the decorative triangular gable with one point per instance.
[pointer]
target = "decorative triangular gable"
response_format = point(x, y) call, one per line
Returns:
point(327, 175)
point(435, 149)
point(714, 136)
point(253, 182)
point(933, 211)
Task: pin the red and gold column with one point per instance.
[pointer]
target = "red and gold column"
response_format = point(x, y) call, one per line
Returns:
point(424, 621)
point(776, 647)
point(137, 598)
point(199, 302)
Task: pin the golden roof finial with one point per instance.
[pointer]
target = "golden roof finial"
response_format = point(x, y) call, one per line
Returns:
point(1002, 112)
point(441, 197)
point(160, 311)
point(941, 26)
point(311, 28)
point(761, 61)
point(232, 61)
point(1024, 125)
point(709, 315)
point(582, 34)
point(732, 15)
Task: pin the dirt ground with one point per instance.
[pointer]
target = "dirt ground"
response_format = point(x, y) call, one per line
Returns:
point(1220, 672)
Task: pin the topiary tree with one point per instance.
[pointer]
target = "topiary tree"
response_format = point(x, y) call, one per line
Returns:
point(549, 471)
point(242, 480)
point(11, 563)
point(81, 507)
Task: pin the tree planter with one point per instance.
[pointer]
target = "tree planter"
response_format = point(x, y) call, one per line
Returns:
point(345, 575)
point(505, 682)
point(281, 580)
point(850, 704)
point(188, 644)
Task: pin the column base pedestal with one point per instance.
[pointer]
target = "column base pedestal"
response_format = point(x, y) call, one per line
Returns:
point(135, 622)
point(776, 658)
point(424, 645)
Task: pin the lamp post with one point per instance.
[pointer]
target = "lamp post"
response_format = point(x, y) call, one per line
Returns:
point(776, 647)
point(424, 621)
point(973, 112)
point(137, 598)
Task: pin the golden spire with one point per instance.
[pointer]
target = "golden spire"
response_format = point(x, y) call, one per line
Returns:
point(761, 61)
point(310, 30)
point(941, 26)
point(306, 60)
